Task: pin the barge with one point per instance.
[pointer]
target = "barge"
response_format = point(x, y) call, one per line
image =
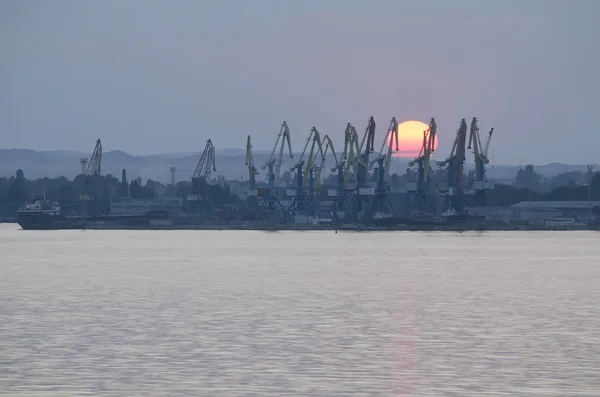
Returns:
point(43, 215)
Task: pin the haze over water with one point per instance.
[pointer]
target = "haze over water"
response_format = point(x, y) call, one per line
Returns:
point(299, 313)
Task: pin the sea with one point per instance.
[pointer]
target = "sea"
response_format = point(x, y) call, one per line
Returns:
point(251, 313)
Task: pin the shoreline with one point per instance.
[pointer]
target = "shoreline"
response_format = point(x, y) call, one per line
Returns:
point(355, 228)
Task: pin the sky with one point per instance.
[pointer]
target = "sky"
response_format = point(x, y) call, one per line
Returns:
point(149, 76)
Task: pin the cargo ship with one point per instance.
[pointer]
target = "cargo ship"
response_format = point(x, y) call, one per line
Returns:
point(44, 215)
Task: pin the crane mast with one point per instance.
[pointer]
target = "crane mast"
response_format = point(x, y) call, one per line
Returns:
point(252, 171)
point(393, 142)
point(252, 201)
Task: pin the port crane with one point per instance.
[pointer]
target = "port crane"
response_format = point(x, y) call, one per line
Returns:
point(359, 163)
point(251, 201)
point(365, 152)
point(305, 176)
point(349, 157)
point(90, 181)
point(316, 161)
point(376, 199)
point(206, 164)
point(258, 200)
point(93, 169)
point(384, 159)
point(276, 157)
point(338, 194)
point(94, 166)
point(201, 177)
point(356, 156)
point(326, 147)
point(420, 190)
point(480, 153)
point(252, 171)
point(453, 168)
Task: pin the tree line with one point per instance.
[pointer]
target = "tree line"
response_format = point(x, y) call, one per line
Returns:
point(17, 190)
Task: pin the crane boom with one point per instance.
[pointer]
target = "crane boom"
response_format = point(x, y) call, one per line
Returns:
point(329, 146)
point(94, 166)
point(487, 144)
point(206, 164)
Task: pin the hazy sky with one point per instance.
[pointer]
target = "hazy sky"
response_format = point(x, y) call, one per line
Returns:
point(164, 76)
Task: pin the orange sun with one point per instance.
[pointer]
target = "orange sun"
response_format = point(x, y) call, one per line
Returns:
point(410, 137)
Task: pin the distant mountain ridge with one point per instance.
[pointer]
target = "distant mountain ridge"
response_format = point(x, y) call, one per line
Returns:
point(229, 163)
point(38, 164)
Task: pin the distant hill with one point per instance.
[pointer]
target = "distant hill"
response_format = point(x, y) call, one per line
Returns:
point(37, 164)
point(229, 162)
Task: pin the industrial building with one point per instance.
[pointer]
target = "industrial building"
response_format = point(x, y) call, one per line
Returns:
point(541, 213)
point(135, 206)
point(565, 212)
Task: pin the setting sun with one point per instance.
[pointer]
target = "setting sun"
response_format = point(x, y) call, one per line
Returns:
point(410, 137)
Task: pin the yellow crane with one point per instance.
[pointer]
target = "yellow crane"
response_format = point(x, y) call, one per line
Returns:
point(308, 165)
point(392, 142)
point(326, 146)
point(275, 160)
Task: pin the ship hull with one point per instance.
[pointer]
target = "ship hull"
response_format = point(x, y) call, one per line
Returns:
point(43, 221)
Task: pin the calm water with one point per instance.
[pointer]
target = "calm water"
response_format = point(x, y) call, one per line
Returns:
point(299, 313)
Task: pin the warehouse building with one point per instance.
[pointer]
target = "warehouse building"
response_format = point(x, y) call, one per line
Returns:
point(548, 213)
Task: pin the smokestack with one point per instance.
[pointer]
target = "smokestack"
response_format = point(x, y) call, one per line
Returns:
point(173, 169)
point(124, 184)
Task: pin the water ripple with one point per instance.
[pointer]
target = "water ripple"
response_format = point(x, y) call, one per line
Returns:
point(302, 314)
